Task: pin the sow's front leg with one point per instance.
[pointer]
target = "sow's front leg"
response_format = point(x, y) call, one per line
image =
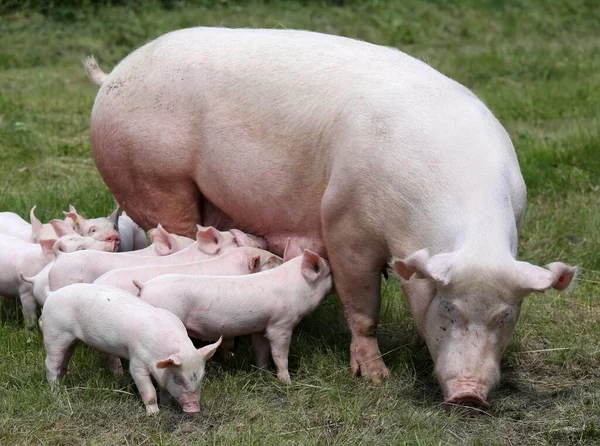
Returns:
point(356, 265)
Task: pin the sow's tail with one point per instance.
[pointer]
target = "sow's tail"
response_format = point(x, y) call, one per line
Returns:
point(93, 71)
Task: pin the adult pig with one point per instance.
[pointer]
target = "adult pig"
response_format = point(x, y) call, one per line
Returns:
point(115, 322)
point(239, 261)
point(356, 151)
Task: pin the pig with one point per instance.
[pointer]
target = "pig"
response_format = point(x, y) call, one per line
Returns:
point(364, 154)
point(133, 238)
point(86, 266)
point(13, 225)
point(103, 228)
point(69, 241)
point(267, 305)
point(19, 258)
point(239, 261)
point(116, 323)
point(163, 243)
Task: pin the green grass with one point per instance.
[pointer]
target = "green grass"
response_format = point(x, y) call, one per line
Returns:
point(537, 67)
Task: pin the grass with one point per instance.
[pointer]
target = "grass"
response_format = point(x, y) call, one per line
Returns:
point(535, 64)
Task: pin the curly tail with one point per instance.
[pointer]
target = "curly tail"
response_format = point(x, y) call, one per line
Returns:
point(25, 279)
point(93, 71)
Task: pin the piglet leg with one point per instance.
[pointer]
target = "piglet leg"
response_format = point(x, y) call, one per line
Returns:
point(261, 350)
point(280, 347)
point(142, 380)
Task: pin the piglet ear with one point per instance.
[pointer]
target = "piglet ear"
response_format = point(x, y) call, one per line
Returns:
point(532, 278)
point(163, 241)
point(209, 240)
point(437, 267)
point(78, 220)
point(273, 262)
point(209, 350)
point(312, 267)
point(254, 263)
point(114, 216)
point(36, 225)
point(243, 239)
point(47, 246)
point(61, 228)
point(171, 361)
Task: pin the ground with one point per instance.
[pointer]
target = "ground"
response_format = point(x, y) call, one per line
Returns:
point(535, 64)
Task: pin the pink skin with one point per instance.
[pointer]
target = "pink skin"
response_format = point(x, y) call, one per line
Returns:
point(103, 318)
point(13, 225)
point(267, 305)
point(239, 261)
point(85, 267)
point(358, 152)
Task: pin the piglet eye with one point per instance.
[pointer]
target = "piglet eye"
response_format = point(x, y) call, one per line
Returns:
point(92, 230)
point(178, 380)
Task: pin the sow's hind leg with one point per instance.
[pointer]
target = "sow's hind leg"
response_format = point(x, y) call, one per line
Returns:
point(175, 204)
point(151, 187)
point(356, 264)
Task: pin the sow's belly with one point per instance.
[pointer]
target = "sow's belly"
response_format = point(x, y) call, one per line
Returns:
point(272, 199)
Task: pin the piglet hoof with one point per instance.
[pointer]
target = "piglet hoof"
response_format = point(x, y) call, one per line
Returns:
point(152, 409)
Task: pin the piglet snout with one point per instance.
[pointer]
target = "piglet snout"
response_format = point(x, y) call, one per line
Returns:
point(189, 403)
point(466, 394)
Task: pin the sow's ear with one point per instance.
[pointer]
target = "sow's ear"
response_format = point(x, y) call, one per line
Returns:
point(312, 267)
point(535, 278)
point(209, 240)
point(437, 267)
point(209, 350)
point(171, 361)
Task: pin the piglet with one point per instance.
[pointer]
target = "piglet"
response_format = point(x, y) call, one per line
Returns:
point(13, 225)
point(267, 305)
point(116, 323)
point(239, 261)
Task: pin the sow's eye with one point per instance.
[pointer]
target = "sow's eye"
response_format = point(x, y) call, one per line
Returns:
point(450, 311)
point(503, 318)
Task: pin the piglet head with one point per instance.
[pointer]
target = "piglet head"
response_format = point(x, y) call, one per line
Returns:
point(103, 228)
point(471, 316)
point(183, 373)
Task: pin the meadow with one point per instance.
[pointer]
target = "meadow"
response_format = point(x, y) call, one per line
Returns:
point(535, 64)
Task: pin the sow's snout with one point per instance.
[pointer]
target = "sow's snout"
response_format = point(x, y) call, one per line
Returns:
point(464, 394)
